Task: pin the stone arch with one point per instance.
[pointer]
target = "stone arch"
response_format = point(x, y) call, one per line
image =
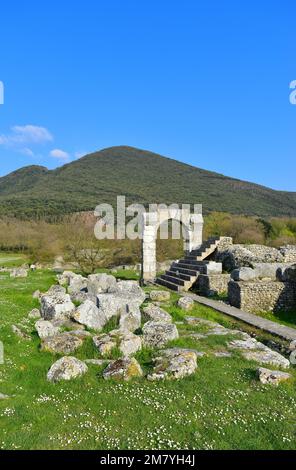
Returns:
point(192, 224)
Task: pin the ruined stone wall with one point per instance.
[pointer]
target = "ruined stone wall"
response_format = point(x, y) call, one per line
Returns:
point(265, 254)
point(289, 253)
point(208, 285)
point(236, 256)
point(262, 296)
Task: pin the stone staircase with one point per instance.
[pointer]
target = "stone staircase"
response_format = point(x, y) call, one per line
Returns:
point(184, 273)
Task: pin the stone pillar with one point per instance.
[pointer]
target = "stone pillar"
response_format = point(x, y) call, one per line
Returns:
point(149, 253)
point(195, 230)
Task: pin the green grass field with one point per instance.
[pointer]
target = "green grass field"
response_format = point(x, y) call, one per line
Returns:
point(8, 260)
point(222, 406)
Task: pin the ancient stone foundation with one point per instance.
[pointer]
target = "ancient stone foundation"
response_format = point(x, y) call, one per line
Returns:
point(212, 284)
point(262, 296)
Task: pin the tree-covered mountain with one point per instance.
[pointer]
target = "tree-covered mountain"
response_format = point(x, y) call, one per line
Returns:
point(141, 176)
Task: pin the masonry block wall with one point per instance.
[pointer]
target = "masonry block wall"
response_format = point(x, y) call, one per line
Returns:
point(262, 296)
point(212, 284)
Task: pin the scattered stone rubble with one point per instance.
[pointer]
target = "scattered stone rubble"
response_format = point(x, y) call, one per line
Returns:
point(63, 326)
point(175, 363)
point(186, 303)
point(19, 272)
point(273, 377)
point(66, 368)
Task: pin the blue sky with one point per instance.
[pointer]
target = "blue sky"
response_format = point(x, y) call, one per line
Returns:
point(204, 82)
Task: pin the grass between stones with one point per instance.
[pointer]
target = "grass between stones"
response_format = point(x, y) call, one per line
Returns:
point(221, 406)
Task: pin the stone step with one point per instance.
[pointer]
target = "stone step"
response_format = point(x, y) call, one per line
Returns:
point(185, 277)
point(192, 262)
point(174, 279)
point(192, 267)
point(183, 273)
point(189, 272)
point(204, 250)
point(170, 285)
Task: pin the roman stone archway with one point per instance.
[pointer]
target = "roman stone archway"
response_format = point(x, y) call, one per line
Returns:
point(192, 234)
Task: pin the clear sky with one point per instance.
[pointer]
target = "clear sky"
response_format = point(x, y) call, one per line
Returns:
point(204, 82)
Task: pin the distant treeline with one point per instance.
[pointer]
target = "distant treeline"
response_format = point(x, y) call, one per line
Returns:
point(69, 237)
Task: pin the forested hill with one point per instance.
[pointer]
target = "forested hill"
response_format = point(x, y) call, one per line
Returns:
point(141, 176)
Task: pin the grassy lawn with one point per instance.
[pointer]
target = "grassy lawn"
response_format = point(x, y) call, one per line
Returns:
point(8, 260)
point(222, 406)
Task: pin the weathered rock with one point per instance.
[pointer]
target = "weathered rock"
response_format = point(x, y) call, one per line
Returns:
point(130, 344)
point(243, 274)
point(236, 256)
point(125, 341)
point(157, 335)
point(36, 294)
point(270, 270)
point(66, 368)
point(65, 278)
point(130, 321)
point(247, 344)
point(64, 343)
point(213, 328)
point(100, 283)
point(125, 298)
point(104, 343)
point(46, 329)
point(19, 272)
point(77, 284)
point(267, 357)
point(186, 303)
point(160, 295)
point(196, 321)
point(273, 377)
point(56, 289)
point(67, 323)
point(80, 333)
point(130, 290)
point(20, 333)
point(218, 330)
point(89, 315)
point(175, 363)
point(292, 345)
point(79, 297)
point(253, 350)
point(110, 305)
point(34, 314)
point(222, 354)
point(4, 397)
point(123, 369)
point(154, 313)
point(195, 336)
point(56, 304)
